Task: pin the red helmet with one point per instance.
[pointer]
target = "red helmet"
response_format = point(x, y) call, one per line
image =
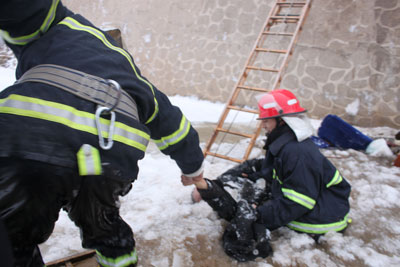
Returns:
point(278, 103)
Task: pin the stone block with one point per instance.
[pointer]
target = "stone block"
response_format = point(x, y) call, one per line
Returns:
point(363, 121)
point(308, 82)
point(375, 81)
point(338, 75)
point(319, 73)
point(360, 54)
point(358, 84)
point(381, 121)
point(386, 3)
point(385, 110)
point(304, 93)
point(380, 59)
point(331, 59)
point(397, 120)
point(290, 81)
point(322, 99)
point(321, 111)
point(308, 104)
point(350, 75)
point(381, 34)
point(364, 72)
point(329, 88)
point(391, 18)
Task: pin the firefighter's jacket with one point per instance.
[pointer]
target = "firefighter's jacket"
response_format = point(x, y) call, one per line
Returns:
point(308, 193)
point(45, 123)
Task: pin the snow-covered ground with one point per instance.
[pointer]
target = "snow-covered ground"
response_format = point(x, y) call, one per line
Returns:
point(172, 231)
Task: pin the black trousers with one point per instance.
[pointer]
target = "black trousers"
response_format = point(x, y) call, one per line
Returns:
point(6, 254)
point(32, 194)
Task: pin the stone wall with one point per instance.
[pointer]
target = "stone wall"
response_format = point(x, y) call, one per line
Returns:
point(346, 62)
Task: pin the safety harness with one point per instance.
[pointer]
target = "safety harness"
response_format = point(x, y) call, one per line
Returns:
point(108, 94)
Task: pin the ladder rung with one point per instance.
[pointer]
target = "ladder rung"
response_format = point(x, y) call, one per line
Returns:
point(243, 109)
point(285, 18)
point(289, 15)
point(279, 33)
point(291, 4)
point(253, 88)
point(271, 50)
point(223, 157)
point(235, 133)
point(262, 69)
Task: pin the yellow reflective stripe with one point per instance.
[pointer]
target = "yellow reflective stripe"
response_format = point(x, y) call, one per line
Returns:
point(319, 228)
point(121, 261)
point(23, 40)
point(175, 137)
point(75, 25)
point(89, 162)
point(337, 178)
point(71, 117)
point(299, 198)
point(274, 176)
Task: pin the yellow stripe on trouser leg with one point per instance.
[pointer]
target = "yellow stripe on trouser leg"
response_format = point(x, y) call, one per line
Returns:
point(121, 261)
point(89, 162)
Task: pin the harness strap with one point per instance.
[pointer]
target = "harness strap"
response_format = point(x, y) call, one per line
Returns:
point(89, 87)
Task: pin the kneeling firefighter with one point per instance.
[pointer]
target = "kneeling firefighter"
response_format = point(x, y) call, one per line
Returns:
point(308, 193)
point(73, 128)
point(294, 185)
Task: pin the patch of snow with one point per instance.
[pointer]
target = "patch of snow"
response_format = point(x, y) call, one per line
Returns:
point(352, 108)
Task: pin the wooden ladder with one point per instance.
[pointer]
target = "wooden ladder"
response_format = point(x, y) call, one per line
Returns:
point(275, 43)
point(83, 259)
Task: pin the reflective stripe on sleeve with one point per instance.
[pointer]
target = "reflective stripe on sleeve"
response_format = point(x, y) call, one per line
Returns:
point(121, 261)
point(301, 199)
point(75, 25)
point(319, 228)
point(23, 40)
point(175, 137)
point(73, 118)
point(89, 162)
point(337, 178)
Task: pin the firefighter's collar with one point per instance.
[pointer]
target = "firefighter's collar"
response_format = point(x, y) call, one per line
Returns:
point(282, 140)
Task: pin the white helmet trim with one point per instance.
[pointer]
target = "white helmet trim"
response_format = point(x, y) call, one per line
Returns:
point(270, 105)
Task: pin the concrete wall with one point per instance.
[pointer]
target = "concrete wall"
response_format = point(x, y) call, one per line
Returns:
point(346, 62)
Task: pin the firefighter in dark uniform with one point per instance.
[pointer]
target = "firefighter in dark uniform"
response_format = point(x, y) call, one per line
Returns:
point(308, 193)
point(305, 191)
point(60, 148)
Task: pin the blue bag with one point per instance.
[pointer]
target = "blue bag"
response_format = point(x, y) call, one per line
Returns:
point(341, 134)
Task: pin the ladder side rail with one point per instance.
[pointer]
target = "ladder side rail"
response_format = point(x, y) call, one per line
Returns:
point(303, 15)
point(252, 142)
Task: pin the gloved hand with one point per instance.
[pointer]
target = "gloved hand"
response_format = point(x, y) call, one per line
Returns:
point(251, 169)
point(253, 176)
